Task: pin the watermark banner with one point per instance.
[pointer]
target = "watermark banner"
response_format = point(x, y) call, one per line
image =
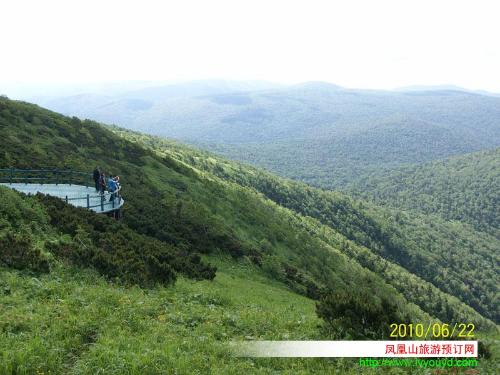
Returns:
point(355, 349)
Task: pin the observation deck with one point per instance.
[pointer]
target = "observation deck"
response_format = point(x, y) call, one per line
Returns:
point(76, 188)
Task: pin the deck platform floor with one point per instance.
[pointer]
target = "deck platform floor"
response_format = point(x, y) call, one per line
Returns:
point(71, 191)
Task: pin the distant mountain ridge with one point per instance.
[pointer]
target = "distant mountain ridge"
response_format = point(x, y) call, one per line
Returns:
point(445, 88)
point(315, 132)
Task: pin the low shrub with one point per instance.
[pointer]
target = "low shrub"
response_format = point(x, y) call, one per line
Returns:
point(17, 251)
point(117, 251)
point(356, 314)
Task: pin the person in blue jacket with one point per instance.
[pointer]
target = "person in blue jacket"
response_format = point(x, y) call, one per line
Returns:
point(111, 187)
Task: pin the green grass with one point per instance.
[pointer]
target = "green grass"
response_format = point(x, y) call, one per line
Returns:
point(74, 321)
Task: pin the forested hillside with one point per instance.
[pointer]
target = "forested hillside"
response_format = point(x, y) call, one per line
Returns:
point(463, 188)
point(207, 251)
point(315, 132)
point(452, 256)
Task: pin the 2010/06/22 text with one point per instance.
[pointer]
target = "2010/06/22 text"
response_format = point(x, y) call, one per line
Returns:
point(435, 330)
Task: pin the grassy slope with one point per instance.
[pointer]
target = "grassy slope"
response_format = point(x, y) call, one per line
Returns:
point(75, 321)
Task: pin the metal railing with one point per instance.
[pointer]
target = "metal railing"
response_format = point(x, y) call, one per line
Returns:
point(67, 177)
point(103, 200)
point(45, 176)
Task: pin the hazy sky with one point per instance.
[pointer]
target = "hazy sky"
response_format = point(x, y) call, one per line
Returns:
point(366, 44)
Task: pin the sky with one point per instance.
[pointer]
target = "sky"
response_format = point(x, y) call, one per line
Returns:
point(380, 44)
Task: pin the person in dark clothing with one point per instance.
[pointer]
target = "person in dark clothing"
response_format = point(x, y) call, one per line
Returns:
point(102, 183)
point(97, 176)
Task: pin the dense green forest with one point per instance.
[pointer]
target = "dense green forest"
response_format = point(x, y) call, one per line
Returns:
point(463, 188)
point(315, 132)
point(207, 251)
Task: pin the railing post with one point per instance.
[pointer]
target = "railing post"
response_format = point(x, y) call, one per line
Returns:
point(88, 201)
point(11, 174)
point(102, 202)
point(113, 201)
point(66, 199)
point(57, 177)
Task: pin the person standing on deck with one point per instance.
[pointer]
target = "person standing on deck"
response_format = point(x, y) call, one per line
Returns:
point(102, 183)
point(117, 183)
point(97, 177)
point(111, 187)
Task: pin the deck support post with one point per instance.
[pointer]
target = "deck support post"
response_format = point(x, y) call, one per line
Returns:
point(102, 202)
point(88, 201)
